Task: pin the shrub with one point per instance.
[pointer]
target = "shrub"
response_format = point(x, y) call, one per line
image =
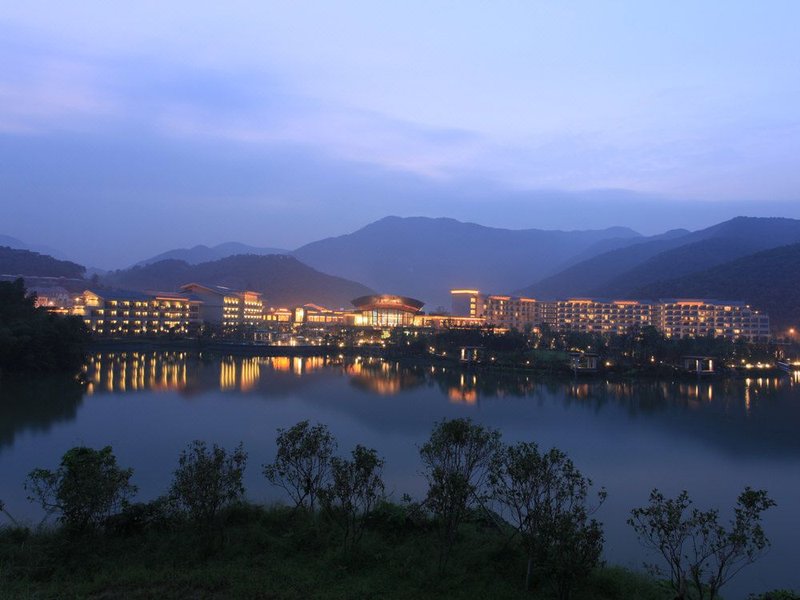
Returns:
point(697, 549)
point(302, 464)
point(355, 489)
point(545, 497)
point(85, 490)
point(207, 481)
point(457, 459)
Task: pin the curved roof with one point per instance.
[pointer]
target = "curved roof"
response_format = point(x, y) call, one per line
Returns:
point(389, 301)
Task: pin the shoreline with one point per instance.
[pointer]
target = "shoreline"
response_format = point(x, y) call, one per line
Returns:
point(255, 349)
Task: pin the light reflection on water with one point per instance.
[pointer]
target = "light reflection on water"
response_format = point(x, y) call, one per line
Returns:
point(711, 437)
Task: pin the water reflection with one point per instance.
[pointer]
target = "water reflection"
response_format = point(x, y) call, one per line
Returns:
point(28, 404)
point(711, 436)
point(754, 415)
point(181, 371)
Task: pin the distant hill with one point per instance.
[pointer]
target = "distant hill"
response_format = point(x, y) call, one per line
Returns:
point(766, 280)
point(200, 254)
point(12, 242)
point(424, 257)
point(25, 262)
point(283, 280)
point(621, 271)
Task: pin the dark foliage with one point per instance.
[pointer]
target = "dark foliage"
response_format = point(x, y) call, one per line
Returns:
point(85, 490)
point(701, 554)
point(35, 340)
point(457, 461)
point(25, 262)
point(767, 281)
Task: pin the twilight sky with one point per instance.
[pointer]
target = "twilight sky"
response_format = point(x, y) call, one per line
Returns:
point(125, 132)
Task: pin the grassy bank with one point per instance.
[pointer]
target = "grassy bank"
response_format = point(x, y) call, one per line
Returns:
point(279, 553)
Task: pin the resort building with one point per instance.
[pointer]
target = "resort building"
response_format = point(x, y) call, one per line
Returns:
point(674, 317)
point(385, 310)
point(698, 318)
point(226, 307)
point(614, 317)
point(122, 313)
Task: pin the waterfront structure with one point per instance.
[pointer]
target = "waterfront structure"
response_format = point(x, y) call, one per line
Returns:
point(676, 318)
point(700, 317)
point(122, 313)
point(386, 310)
point(226, 307)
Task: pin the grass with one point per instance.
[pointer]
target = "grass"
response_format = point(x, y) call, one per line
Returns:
point(273, 553)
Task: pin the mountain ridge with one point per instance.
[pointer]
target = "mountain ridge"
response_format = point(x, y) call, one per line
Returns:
point(620, 271)
point(282, 279)
point(201, 253)
point(425, 257)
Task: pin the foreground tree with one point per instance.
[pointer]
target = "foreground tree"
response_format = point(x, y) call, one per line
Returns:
point(698, 550)
point(207, 481)
point(85, 490)
point(457, 459)
point(303, 462)
point(545, 497)
point(355, 489)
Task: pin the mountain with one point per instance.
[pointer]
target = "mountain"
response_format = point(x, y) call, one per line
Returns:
point(766, 280)
point(200, 254)
point(283, 280)
point(621, 271)
point(12, 242)
point(25, 262)
point(425, 257)
point(608, 245)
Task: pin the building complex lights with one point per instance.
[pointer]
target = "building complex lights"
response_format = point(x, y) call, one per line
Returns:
point(676, 318)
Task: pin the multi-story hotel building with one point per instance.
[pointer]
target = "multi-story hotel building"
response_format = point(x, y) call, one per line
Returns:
point(674, 317)
point(698, 318)
point(134, 313)
point(226, 307)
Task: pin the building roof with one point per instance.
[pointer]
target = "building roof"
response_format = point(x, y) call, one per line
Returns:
point(119, 295)
point(388, 301)
point(218, 289)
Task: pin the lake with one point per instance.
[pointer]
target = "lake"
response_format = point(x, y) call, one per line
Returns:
point(710, 437)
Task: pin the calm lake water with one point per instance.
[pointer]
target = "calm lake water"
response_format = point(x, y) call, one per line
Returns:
point(711, 438)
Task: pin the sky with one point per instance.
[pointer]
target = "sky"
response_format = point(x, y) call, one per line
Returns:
point(127, 129)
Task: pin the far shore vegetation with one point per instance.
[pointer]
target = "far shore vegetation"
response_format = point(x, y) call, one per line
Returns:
point(497, 521)
point(34, 340)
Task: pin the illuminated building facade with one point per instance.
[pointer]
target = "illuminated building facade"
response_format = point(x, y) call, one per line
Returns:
point(674, 317)
point(121, 313)
point(698, 318)
point(613, 317)
point(384, 311)
point(227, 308)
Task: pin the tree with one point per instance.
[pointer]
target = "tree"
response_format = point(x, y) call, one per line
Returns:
point(302, 464)
point(545, 497)
point(457, 459)
point(356, 487)
point(207, 481)
point(85, 490)
point(35, 340)
point(697, 549)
